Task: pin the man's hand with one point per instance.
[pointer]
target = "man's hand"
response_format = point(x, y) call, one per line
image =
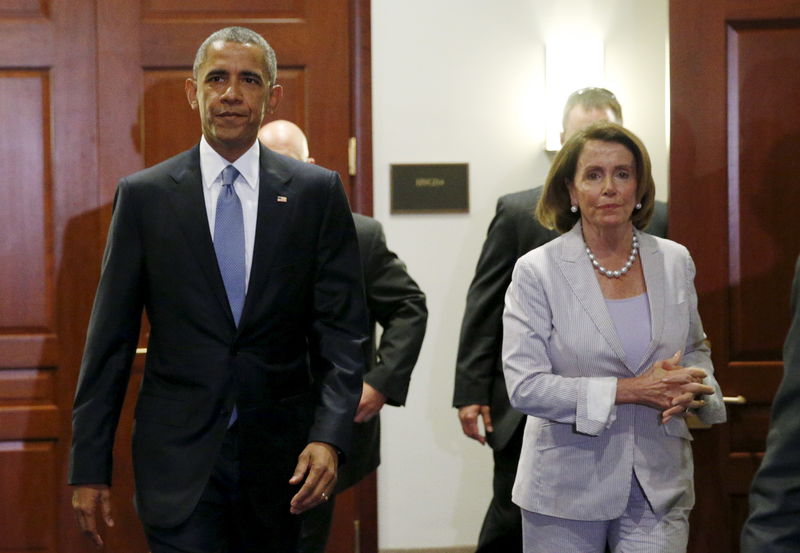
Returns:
point(370, 405)
point(317, 464)
point(84, 501)
point(468, 415)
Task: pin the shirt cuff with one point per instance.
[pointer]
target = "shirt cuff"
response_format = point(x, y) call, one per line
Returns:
point(600, 396)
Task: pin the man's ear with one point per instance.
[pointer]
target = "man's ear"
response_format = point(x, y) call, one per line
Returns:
point(275, 95)
point(191, 92)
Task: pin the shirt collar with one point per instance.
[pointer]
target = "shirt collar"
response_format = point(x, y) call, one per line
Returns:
point(212, 164)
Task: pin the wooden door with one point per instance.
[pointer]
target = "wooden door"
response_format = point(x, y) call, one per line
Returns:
point(48, 257)
point(90, 91)
point(735, 124)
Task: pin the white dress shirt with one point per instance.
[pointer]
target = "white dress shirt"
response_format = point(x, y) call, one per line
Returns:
point(246, 186)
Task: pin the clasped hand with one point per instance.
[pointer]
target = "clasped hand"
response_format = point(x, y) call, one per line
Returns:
point(669, 387)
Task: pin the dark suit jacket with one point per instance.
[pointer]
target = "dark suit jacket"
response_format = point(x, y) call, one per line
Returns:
point(396, 303)
point(513, 232)
point(774, 522)
point(305, 293)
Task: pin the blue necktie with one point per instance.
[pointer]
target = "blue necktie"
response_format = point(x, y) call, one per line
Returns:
point(229, 242)
point(229, 246)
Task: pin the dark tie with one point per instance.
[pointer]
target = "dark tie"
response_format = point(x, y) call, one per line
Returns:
point(229, 242)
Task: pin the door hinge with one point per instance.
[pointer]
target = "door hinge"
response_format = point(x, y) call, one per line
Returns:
point(352, 150)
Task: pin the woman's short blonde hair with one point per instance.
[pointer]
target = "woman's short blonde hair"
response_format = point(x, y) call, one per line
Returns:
point(553, 209)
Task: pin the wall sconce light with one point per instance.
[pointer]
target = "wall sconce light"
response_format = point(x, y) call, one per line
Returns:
point(571, 63)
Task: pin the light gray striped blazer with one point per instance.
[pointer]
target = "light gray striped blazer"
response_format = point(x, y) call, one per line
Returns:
point(559, 344)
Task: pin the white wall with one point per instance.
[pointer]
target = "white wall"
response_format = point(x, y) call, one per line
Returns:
point(458, 81)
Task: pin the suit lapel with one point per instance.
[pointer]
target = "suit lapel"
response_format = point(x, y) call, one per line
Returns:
point(579, 273)
point(190, 212)
point(652, 259)
point(276, 203)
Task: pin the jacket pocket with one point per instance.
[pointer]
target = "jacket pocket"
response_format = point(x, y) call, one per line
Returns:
point(558, 434)
point(677, 429)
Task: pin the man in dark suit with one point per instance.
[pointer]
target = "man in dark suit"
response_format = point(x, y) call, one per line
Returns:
point(395, 302)
point(774, 522)
point(247, 263)
point(480, 389)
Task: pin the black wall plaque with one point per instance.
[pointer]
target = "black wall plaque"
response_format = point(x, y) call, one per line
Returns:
point(433, 188)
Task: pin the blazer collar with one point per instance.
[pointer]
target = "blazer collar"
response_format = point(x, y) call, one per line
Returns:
point(190, 212)
point(580, 275)
point(652, 258)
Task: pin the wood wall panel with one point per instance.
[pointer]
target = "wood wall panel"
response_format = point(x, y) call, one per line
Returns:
point(294, 105)
point(174, 44)
point(751, 423)
point(33, 422)
point(169, 125)
point(26, 268)
point(11, 9)
point(757, 381)
point(26, 385)
point(29, 491)
point(763, 198)
point(227, 9)
point(19, 350)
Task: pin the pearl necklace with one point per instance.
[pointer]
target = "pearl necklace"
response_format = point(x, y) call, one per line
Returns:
point(628, 264)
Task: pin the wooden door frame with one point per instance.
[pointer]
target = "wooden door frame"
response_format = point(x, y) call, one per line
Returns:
point(705, 200)
point(361, 85)
point(365, 492)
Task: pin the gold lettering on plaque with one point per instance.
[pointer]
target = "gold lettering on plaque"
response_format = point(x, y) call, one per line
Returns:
point(429, 181)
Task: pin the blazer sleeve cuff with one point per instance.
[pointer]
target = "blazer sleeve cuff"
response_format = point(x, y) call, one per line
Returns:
point(395, 389)
point(596, 409)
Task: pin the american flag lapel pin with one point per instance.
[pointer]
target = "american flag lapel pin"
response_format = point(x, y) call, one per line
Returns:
point(282, 199)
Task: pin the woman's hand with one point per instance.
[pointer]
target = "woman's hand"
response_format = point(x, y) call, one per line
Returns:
point(665, 386)
point(689, 399)
point(683, 403)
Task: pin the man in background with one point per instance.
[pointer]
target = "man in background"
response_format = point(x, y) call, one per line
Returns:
point(774, 522)
point(395, 302)
point(480, 389)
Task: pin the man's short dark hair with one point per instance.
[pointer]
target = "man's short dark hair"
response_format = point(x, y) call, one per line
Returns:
point(239, 35)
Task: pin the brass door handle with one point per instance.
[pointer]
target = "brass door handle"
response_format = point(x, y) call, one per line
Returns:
point(735, 400)
point(693, 421)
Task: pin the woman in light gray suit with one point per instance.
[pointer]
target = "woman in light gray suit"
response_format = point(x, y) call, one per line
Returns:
point(603, 348)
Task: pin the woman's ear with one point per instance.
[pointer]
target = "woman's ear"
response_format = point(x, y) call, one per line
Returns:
point(573, 199)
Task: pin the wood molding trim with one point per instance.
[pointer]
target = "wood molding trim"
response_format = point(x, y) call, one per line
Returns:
point(362, 104)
